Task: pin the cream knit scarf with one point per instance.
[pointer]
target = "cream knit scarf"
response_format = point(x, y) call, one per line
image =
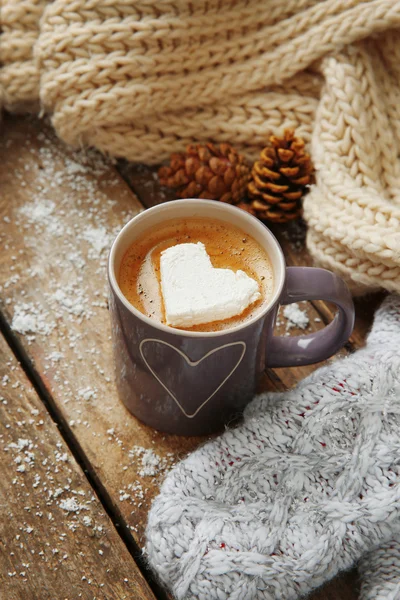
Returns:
point(142, 79)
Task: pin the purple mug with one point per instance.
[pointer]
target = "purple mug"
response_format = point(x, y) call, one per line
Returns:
point(192, 383)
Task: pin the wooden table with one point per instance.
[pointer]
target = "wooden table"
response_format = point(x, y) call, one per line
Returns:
point(75, 491)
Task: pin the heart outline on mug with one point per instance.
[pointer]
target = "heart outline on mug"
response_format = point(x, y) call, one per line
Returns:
point(192, 363)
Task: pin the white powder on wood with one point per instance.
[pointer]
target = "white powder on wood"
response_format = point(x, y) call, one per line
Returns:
point(37, 212)
point(72, 300)
point(55, 356)
point(87, 393)
point(21, 444)
point(70, 505)
point(295, 316)
point(99, 239)
point(151, 463)
point(29, 318)
point(68, 236)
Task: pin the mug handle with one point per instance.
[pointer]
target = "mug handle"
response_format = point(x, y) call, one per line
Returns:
point(308, 283)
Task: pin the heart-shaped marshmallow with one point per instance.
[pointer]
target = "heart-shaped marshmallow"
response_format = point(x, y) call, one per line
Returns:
point(195, 292)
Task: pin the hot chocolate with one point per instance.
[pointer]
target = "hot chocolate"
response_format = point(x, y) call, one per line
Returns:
point(227, 246)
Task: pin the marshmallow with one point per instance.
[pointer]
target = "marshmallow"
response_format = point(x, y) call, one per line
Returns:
point(195, 292)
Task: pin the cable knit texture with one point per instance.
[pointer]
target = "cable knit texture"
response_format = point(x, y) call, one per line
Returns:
point(143, 79)
point(19, 74)
point(353, 212)
point(380, 571)
point(301, 490)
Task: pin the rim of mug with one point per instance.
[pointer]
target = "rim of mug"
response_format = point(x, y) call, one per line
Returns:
point(185, 332)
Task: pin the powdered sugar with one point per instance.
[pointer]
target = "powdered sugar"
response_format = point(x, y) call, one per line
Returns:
point(72, 300)
point(83, 238)
point(20, 444)
point(70, 504)
point(45, 483)
point(99, 239)
point(87, 393)
point(295, 316)
point(38, 212)
point(30, 318)
point(151, 463)
point(55, 356)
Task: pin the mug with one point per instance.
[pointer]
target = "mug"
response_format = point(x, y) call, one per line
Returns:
point(193, 383)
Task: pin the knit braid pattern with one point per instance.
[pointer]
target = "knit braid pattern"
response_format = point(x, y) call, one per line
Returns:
point(19, 74)
point(380, 572)
point(301, 490)
point(142, 79)
point(353, 211)
point(133, 79)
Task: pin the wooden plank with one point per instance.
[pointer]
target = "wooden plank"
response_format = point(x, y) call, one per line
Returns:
point(59, 212)
point(344, 587)
point(56, 541)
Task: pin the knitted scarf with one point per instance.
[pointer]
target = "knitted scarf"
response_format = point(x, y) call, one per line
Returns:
point(305, 487)
point(142, 79)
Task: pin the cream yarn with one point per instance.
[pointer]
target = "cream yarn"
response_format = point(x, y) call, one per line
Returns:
point(142, 79)
point(305, 486)
point(353, 212)
point(19, 75)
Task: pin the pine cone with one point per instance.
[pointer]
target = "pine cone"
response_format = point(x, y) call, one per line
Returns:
point(213, 172)
point(280, 178)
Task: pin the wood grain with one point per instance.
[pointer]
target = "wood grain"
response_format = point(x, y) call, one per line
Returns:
point(56, 542)
point(54, 271)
